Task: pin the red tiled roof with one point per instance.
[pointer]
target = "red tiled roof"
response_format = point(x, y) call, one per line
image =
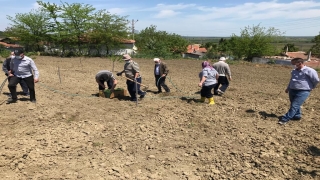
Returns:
point(128, 41)
point(301, 54)
point(192, 48)
point(9, 45)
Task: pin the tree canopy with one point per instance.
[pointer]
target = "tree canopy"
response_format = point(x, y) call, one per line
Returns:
point(255, 41)
point(152, 42)
point(315, 49)
point(71, 27)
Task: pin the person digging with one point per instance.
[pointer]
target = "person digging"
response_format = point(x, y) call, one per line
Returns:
point(105, 76)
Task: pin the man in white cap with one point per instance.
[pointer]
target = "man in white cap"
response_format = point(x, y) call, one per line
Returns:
point(224, 76)
point(160, 73)
point(131, 71)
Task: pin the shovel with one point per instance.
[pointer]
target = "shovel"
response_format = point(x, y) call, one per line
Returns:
point(145, 87)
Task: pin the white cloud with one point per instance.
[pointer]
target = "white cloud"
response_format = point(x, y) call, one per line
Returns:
point(166, 14)
point(35, 5)
point(117, 11)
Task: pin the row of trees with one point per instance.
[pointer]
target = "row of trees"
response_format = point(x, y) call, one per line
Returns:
point(80, 29)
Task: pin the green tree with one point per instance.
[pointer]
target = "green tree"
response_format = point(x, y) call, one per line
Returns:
point(77, 19)
point(151, 42)
point(224, 46)
point(107, 31)
point(315, 49)
point(29, 28)
point(255, 41)
point(291, 48)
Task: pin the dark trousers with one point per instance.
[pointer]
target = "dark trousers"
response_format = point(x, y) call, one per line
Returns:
point(23, 85)
point(161, 82)
point(206, 91)
point(14, 80)
point(222, 80)
point(109, 84)
point(131, 86)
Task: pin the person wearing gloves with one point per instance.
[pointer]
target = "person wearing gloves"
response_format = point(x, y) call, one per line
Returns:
point(224, 76)
point(208, 79)
point(22, 68)
point(160, 73)
point(303, 80)
point(132, 72)
point(105, 76)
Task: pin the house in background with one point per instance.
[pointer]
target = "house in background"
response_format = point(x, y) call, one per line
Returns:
point(9, 43)
point(126, 47)
point(194, 51)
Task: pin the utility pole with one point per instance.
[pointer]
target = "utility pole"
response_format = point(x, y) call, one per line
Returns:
point(133, 22)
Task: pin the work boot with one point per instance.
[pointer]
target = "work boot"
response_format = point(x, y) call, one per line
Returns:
point(202, 99)
point(211, 101)
point(101, 94)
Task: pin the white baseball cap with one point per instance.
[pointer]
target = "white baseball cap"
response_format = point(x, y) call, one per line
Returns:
point(156, 59)
point(222, 59)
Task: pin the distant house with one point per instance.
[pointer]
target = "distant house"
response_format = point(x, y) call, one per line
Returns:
point(126, 47)
point(194, 51)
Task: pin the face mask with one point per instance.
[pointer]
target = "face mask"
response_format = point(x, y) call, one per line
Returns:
point(127, 62)
point(12, 56)
point(18, 57)
point(157, 63)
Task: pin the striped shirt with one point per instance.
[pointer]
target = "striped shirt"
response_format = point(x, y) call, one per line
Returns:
point(23, 68)
point(303, 79)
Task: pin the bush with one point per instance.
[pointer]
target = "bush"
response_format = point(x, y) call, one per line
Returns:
point(4, 53)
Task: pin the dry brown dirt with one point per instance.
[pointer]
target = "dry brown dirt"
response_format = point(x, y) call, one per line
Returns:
point(71, 134)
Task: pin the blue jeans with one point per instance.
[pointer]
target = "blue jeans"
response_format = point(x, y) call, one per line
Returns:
point(297, 98)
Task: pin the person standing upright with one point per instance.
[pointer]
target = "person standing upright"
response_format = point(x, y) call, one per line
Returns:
point(22, 68)
point(224, 76)
point(132, 73)
point(208, 79)
point(303, 80)
point(6, 69)
point(160, 72)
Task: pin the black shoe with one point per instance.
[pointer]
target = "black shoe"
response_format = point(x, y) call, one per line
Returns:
point(142, 95)
point(10, 100)
point(33, 101)
point(296, 119)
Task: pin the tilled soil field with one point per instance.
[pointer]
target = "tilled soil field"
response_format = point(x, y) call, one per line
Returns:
point(72, 134)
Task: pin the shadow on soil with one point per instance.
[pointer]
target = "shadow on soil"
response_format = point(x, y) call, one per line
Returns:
point(311, 173)
point(314, 151)
point(189, 100)
point(266, 115)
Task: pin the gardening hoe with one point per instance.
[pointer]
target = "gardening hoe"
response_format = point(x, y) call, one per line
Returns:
point(145, 87)
point(4, 82)
point(1, 87)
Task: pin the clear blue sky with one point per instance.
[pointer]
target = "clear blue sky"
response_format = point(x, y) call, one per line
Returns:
point(199, 18)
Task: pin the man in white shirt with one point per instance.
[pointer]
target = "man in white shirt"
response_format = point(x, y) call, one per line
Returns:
point(224, 76)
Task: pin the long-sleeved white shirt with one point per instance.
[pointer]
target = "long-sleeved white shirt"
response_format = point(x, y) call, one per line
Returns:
point(23, 68)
